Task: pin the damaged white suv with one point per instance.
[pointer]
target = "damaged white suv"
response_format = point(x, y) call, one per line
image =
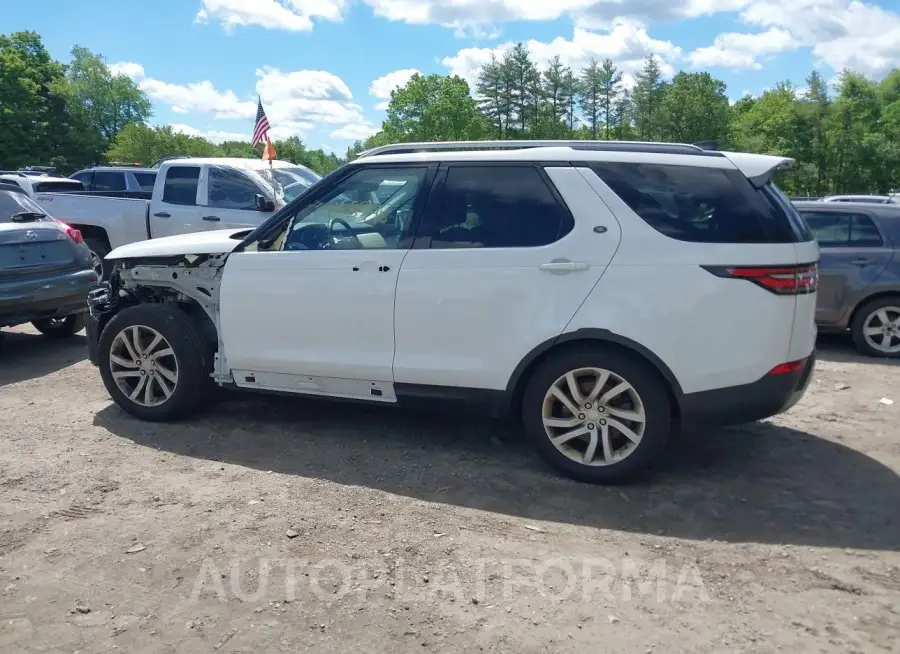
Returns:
point(601, 293)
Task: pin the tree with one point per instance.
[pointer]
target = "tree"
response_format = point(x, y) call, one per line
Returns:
point(489, 89)
point(104, 103)
point(695, 108)
point(433, 108)
point(558, 95)
point(591, 95)
point(647, 100)
point(610, 79)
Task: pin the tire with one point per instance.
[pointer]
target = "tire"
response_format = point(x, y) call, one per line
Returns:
point(866, 317)
point(190, 360)
point(60, 327)
point(100, 249)
point(648, 389)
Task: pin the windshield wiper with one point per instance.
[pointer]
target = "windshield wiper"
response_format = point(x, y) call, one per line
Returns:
point(27, 216)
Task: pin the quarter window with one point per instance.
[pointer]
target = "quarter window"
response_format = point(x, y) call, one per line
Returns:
point(703, 205)
point(181, 185)
point(495, 207)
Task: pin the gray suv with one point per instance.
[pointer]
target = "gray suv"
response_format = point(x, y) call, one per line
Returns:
point(859, 271)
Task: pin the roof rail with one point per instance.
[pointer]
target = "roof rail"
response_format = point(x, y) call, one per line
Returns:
point(620, 146)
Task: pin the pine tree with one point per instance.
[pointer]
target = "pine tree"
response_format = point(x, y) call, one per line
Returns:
point(590, 96)
point(647, 100)
point(610, 79)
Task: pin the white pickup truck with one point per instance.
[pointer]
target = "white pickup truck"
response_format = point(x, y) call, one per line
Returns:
point(190, 195)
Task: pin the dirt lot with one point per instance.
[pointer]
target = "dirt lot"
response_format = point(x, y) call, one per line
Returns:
point(269, 525)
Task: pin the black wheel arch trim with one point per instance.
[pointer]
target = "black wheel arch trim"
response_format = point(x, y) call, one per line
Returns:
point(593, 334)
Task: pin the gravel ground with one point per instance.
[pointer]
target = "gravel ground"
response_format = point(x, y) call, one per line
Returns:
point(268, 525)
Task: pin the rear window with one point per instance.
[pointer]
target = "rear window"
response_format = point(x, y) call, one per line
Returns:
point(52, 187)
point(701, 205)
point(145, 180)
point(14, 202)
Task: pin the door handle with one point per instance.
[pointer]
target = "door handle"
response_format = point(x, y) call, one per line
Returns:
point(861, 262)
point(213, 219)
point(163, 214)
point(564, 266)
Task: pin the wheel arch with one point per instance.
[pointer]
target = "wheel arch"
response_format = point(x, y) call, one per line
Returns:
point(870, 298)
point(93, 232)
point(588, 336)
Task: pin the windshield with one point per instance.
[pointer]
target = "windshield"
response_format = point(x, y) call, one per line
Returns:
point(12, 202)
point(293, 190)
point(279, 179)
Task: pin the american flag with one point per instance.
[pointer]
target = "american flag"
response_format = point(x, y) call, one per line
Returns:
point(261, 130)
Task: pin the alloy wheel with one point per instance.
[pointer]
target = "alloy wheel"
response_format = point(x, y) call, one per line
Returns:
point(143, 365)
point(881, 330)
point(594, 416)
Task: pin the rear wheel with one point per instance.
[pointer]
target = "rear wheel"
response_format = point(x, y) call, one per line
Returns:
point(99, 250)
point(60, 327)
point(154, 362)
point(876, 328)
point(596, 415)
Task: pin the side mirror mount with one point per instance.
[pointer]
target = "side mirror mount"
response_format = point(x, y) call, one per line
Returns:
point(263, 203)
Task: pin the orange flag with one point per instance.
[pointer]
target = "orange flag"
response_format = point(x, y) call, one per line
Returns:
point(268, 151)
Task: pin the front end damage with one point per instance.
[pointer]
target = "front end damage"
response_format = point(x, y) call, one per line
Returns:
point(189, 282)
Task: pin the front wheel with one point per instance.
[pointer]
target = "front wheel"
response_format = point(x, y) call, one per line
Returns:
point(596, 415)
point(154, 363)
point(876, 328)
point(60, 327)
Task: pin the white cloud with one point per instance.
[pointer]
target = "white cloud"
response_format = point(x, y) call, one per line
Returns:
point(627, 43)
point(381, 87)
point(354, 132)
point(290, 15)
point(199, 97)
point(738, 51)
point(841, 33)
point(214, 136)
point(127, 68)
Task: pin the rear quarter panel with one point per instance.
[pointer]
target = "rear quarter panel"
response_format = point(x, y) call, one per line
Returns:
point(123, 219)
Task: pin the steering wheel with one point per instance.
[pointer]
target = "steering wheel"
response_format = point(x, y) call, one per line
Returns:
point(341, 221)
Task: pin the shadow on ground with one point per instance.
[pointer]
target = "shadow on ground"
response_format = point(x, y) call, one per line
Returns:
point(761, 483)
point(26, 356)
point(839, 348)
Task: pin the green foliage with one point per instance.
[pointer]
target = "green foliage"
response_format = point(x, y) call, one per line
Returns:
point(434, 108)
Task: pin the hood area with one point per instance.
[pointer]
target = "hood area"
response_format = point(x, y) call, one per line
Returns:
point(220, 241)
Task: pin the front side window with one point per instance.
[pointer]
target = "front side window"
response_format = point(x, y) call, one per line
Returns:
point(495, 207)
point(369, 209)
point(702, 205)
point(181, 185)
point(231, 189)
point(836, 229)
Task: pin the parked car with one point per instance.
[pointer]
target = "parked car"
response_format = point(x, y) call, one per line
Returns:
point(45, 269)
point(869, 199)
point(32, 184)
point(859, 272)
point(602, 293)
point(125, 181)
point(189, 195)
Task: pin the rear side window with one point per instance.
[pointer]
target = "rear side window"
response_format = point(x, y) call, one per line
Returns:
point(496, 207)
point(701, 205)
point(837, 229)
point(181, 185)
point(231, 189)
point(145, 180)
point(108, 181)
point(16, 202)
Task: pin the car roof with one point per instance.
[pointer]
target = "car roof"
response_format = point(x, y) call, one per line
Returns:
point(117, 168)
point(236, 162)
point(885, 209)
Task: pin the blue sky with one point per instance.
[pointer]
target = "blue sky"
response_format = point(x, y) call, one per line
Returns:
point(324, 68)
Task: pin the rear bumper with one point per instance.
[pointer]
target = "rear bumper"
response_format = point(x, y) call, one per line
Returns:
point(769, 396)
point(54, 296)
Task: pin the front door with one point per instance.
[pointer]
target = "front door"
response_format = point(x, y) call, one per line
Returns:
point(315, 312)
point(231, 199)
point(852, 255)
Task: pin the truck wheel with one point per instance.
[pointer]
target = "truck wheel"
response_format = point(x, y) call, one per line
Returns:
point(597, 415)
point(60, 327)
point(99, 250)
point(876, 327)
point(154, 362)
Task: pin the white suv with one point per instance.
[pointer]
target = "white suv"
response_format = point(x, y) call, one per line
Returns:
point(602, 293)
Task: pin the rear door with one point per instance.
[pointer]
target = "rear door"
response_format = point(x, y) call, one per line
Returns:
point(503, 257)
point(853, 255)
point(174, 208)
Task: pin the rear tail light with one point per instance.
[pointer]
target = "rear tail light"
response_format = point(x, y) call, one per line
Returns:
point(781, 280)
point(71, 232)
